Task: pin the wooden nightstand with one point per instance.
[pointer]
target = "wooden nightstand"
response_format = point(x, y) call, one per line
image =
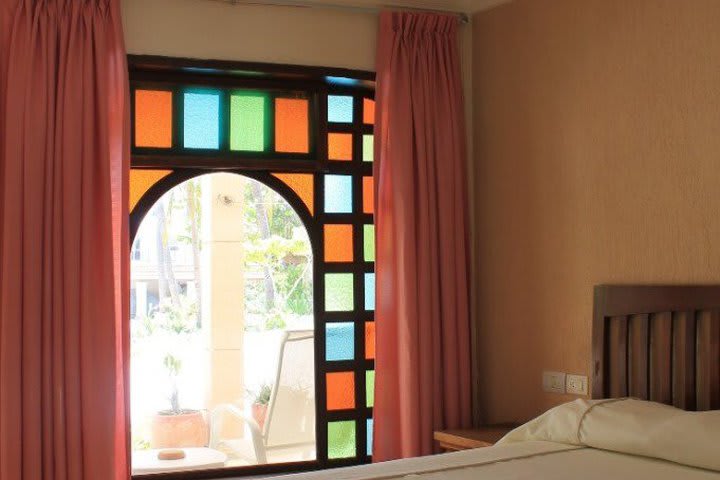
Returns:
point(454, 440)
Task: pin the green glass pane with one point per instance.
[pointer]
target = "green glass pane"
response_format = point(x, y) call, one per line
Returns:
point(368, 148)
point(370, 388)
point(247, 122)
point(369, 243)
point(341, 439)
point(339, 295)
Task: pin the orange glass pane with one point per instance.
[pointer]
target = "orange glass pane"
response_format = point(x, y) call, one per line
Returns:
point(303, 184)
point(340, 390)
point(370, 340)
point(141, 181)
point(153, 119)
point(338, 243)
point(368, 111)
point(340, 146)
point(368, 195)
point(292, 132)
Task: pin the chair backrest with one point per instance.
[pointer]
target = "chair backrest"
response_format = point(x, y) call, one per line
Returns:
point(291, 411)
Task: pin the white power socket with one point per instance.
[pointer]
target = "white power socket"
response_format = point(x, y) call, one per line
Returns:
point(577, 384)
point(554, 382)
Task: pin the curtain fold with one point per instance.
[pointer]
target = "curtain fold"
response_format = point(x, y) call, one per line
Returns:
point(422, 257)
point(64, 158)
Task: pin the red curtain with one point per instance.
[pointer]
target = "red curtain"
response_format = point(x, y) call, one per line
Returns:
point(422, 320)
point(64, 153)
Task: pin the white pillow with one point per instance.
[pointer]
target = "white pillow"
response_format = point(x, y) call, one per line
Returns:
point(630, 426)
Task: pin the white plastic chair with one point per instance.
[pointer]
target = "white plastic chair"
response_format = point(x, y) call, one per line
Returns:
point(290, 421)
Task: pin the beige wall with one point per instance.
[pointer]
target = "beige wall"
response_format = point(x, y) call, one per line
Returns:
point(597, 143)
point(207, 29)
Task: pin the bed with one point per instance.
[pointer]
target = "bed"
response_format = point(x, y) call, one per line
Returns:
point(657, 344)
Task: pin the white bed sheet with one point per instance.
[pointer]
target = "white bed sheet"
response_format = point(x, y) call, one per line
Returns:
point(536, 460)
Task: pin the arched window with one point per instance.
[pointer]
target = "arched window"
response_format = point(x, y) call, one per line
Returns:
point(252, 291)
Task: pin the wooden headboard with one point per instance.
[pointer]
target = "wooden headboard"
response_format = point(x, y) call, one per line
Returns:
point(659, 343)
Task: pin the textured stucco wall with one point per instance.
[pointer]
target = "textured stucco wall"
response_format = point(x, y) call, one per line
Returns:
point(597, 154)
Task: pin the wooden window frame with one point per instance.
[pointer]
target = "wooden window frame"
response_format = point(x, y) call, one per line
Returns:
point(317, 83)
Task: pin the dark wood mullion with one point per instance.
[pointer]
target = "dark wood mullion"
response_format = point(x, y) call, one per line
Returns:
point(283, 72)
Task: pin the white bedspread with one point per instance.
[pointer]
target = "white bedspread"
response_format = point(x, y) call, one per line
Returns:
point(532, 460)
point(614, 439)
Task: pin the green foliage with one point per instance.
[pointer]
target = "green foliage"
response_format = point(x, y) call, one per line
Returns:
point(285, 253)
point(262, 396)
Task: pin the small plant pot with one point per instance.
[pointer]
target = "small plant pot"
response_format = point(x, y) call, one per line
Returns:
point(259, 412)
point(186, 429)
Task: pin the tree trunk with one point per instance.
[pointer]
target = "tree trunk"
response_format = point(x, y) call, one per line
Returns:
point(264, 226)
point(167, 283)
point(193, 194)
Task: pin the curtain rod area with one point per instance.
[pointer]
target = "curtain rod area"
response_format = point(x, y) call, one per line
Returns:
point(462, 17)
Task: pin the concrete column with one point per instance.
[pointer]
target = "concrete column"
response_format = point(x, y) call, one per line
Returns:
point(224, 290)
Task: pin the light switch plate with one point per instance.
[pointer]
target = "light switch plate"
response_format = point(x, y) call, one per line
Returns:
point(554, 382)
point(577, 384)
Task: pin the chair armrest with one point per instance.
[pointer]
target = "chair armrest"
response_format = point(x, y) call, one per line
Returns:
point(216, 420)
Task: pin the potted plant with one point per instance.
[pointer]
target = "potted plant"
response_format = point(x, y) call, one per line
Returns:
point(177, 427)
point(260, 402)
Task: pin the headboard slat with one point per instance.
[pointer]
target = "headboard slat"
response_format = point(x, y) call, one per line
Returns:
point(617, 361)
point(661, 357)
point(658, 342)
point(708, 360)
point(638, 356)
point(683, 370)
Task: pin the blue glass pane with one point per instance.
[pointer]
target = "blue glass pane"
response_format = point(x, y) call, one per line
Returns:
point(338, 194)
point(339, 341)
point(369, 291)
point(340, 109)
point(369, 436)
point(202, 120)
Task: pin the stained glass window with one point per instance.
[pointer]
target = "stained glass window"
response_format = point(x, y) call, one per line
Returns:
point(341, 439)
point(368, 195)
point(368, 111)
point(369, 291)
point(340, 109)
point(331, 187)
point(340, 146)
point(338, 243)
point(340, 390)
point(292, 127)
point(339, 294)
point(370, 388)
point(338, 194)
point(303, 184)
point(370, 340)
point(340, 341)
point(153, 118)
point(141, 181)
point(369, 436)
point(369, 243)
point(202, 120)
point(248, 113)
point(368, 148)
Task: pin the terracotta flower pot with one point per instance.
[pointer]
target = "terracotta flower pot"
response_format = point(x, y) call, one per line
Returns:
point(188, 429)
point(259, 412)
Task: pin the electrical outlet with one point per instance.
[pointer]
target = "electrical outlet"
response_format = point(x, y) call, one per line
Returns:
point(554, 382)
point(577, 384)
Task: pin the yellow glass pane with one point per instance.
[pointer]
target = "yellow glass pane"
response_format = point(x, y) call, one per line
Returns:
point(141, 181)
point(303, 184)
